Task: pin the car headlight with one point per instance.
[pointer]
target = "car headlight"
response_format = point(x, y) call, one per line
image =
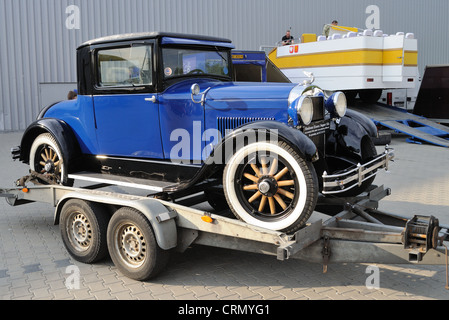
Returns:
point(336, 104)
point(301, 109)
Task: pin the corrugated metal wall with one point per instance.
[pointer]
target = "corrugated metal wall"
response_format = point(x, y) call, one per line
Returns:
point(37, 47)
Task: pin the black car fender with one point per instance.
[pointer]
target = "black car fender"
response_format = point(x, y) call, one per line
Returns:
point(366, 123)
point(351, 130)
point(263, 131)
point(260, 131)
point(60, 130)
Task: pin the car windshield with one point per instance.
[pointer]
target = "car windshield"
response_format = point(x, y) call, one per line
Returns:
point(181, 62)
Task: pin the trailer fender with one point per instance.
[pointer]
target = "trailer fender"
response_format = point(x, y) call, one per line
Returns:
point(161, 218)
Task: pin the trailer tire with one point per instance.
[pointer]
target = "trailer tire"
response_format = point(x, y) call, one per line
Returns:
point(83, 227)
point(133, 247)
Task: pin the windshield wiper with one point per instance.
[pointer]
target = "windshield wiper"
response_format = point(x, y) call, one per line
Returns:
point(220, 54)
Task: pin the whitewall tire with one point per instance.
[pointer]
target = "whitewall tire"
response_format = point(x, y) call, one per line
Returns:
point(270, 186)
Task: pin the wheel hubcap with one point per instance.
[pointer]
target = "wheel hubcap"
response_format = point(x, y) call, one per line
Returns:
point(80, 232)
point(132, 245)
point(49, 160)
point(268, 185)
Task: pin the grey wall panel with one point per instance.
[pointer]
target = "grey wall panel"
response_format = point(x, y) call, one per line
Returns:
point(37, 48)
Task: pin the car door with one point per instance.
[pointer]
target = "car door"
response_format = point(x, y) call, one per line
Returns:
point(125, 103)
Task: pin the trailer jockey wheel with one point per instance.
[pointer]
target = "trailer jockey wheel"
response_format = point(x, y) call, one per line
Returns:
point(83, 227)
point(133, 247)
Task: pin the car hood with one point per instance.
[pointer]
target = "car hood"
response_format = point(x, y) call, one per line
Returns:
point(248, 101)
point(241, 91)
point(231, 99)
point(229, 91)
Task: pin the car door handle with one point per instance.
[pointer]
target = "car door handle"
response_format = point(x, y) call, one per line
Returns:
point(152, 99)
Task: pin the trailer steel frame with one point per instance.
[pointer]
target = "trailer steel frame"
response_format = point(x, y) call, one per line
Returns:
point(359, 233)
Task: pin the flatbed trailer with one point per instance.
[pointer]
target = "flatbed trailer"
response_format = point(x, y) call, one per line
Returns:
point(140, 231)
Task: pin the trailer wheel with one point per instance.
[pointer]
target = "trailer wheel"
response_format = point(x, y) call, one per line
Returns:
point(83, 227)
point(269, 185)
point(133, 247)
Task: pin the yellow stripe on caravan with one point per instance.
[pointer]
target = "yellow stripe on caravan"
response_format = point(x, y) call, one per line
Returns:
point(411, 58)
point(330, 59)
point(347, 58)
point(392, 57)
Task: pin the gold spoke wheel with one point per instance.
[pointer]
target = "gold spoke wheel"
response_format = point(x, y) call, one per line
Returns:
point(268, 175)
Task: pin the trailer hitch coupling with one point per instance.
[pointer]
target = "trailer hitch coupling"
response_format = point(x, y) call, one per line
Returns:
point(421, 235)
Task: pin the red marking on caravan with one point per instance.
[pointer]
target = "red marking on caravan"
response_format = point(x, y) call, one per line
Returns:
point(293, 49)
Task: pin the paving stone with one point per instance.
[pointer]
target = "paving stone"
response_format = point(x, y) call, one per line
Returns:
point(32, 268)
point(63, 263)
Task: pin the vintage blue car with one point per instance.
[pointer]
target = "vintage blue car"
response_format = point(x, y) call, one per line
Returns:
point(162, 109)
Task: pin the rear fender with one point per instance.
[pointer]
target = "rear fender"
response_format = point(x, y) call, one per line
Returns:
point(58, 129)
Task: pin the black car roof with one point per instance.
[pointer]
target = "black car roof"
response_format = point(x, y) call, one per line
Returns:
point(149, 35)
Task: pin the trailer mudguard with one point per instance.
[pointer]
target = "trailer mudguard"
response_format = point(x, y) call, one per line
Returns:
point(160, 217)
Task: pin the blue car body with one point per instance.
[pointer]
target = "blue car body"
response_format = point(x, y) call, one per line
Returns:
point(135, 127)
point(126, 126)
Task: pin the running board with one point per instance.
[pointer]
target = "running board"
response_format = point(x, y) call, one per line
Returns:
point(137, 183)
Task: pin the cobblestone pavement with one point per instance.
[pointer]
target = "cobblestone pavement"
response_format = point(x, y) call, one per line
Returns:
point(35, 265)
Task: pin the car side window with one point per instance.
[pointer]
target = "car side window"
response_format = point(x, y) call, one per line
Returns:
point(123, 67)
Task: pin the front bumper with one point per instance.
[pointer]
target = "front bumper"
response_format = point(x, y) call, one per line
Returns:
point(354, 177)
